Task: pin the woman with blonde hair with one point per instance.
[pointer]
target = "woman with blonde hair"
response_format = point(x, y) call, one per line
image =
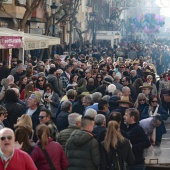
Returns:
point(47, 148)
point(24, 120)
point(141, 102)
point(115, 145)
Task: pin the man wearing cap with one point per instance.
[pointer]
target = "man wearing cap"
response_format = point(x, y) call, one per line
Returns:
point(82, 149)
point(123, 105)
point(105, 83)
point(138, 70)
point(146, 89)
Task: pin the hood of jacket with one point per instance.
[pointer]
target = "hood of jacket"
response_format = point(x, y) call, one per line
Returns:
point(80, 137)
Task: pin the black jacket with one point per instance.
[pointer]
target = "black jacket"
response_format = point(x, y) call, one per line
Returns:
point(78, 107)
point(62, 120)
point(14, 110)
point(125, 150)
point(97, 129)
point(133, 92)
point(139, 142)
point(122, 111)
point(102, 134)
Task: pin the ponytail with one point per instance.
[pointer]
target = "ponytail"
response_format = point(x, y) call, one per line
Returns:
point(112, 136)
point(43, 134)
point(44, 139)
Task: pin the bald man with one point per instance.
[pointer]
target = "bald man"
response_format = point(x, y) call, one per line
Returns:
point(11, 158)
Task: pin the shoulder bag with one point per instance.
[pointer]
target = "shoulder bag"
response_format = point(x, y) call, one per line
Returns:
point(48, 158)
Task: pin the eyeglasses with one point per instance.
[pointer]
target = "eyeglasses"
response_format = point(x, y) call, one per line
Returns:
point(40, 80)
point(161, 77)
point(142, 100)
point(154, 101)
point(41, 117)
point(6, 137)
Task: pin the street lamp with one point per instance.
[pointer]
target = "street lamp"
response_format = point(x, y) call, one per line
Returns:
point(92, 18)
point(53, 11)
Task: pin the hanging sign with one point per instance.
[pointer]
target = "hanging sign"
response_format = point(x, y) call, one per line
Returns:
point(11, 42)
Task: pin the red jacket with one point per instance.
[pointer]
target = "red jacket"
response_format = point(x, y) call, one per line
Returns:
point(20, 161)
point(55, 152)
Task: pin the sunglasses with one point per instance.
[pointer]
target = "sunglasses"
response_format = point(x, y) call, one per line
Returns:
point(142, 100)
point(48, 89)
point(6, 137)
point(41, 117)
point(154, 101)
point(95, 68)
point(40, 80)
point(161, 77)
point(87, 72)
point(99, 77)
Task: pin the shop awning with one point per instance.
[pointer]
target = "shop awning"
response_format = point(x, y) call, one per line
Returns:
point(29, 41)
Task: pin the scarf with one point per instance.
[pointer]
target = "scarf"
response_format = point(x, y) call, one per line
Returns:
point(49, 97)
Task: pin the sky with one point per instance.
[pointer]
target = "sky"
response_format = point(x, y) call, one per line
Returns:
point(165, 10)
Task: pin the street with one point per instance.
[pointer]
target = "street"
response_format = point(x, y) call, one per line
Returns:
point(160, 158)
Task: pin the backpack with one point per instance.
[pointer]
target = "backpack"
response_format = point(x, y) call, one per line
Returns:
point(117, 161)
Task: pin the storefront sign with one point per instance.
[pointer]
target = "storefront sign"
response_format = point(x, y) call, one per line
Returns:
point(108, 33)
point(11, 42)
point(35, 45)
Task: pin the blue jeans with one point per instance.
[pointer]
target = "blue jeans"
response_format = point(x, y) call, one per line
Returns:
point(137, 167)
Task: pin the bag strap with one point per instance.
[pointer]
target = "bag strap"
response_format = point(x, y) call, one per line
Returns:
point(48, 158)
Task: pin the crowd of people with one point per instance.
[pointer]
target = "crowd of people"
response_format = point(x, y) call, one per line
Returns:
point(99, 109)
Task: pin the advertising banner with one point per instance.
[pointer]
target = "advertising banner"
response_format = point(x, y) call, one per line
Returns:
point(11, 42)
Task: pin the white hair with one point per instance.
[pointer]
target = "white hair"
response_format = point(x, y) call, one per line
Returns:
point(73, 118)
point(90, 112)
point(10, 79)
point(111, 88)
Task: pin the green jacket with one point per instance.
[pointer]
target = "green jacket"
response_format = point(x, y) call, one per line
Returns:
point(65, 134)
point(82, 151)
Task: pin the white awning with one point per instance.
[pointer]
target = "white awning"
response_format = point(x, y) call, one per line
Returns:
point(30, 41)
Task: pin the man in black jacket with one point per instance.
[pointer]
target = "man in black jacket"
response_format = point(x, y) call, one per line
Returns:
point(137, 137)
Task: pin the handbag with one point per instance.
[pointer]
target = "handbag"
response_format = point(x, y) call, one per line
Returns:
point(48, 158)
